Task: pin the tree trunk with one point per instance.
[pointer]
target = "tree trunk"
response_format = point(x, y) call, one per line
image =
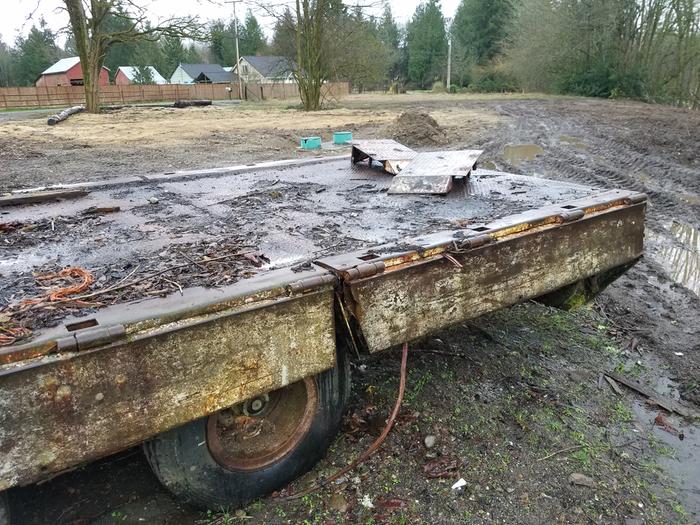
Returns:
point(91, 77)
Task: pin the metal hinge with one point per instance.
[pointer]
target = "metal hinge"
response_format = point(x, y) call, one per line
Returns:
point(475, 242)
point(368, 269)
point(572, 215)
point(310, 283)
point(90, 338)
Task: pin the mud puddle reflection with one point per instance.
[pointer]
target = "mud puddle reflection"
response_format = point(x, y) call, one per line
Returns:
point(519, 153)
point(680, 255)
point(681, 460)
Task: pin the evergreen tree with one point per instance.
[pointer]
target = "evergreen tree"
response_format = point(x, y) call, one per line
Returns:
point(143, 75)
point(426, 43)
point(6, 78)
point(481, 26)
point(222, 43)
point(174, 53)
point(120, 54)
point(251, 37)
point(283, 36)
point(390, 35)
point(34, 54)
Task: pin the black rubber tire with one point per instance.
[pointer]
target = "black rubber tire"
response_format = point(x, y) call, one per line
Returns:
point(4, 509)
point(188, 470)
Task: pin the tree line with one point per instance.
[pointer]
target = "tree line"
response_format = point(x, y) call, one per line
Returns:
point(644, 49)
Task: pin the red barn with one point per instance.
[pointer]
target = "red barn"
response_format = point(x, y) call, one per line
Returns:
point(68, 72)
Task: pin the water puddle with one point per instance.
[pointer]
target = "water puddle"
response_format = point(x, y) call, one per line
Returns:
point(573, 141)
point(681, 464)
point(681, 256)
point(519, 153)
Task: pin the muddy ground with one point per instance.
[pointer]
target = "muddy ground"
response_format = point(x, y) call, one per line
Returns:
point(513, 400)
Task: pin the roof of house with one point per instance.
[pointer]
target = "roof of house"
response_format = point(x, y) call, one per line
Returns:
point(62, 66)
point(213, 72)
point(131, 71)
point(271, 66)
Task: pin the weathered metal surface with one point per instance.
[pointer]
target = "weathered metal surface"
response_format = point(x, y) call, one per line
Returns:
point(65, 409)
point(16, 199)
point(393, 155)
point(414, 297)
point(424, 184)
point(432, 172)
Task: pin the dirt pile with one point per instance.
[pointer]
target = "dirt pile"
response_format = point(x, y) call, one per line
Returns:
point(417, 128)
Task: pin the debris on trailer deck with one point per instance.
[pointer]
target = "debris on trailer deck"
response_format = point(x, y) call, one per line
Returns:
point(197, 265)
point(433, 172)
point(62, 293)
point(17, 199)
point(392, 155)
point(100, 210)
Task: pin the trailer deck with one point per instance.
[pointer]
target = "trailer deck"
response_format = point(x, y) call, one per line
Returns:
point(334, 252)
point(291, 214)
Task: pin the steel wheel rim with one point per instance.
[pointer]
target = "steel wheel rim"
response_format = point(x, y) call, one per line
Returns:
point(262, 430)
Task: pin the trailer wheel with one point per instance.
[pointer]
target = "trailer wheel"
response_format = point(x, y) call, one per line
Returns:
point(4, 509)
point(249, 450)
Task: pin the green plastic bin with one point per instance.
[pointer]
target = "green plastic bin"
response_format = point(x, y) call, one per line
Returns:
point(342, 137)
point(310, 142)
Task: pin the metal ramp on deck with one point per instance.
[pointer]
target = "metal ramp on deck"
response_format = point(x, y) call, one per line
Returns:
point(392, 155)
point(433, 172)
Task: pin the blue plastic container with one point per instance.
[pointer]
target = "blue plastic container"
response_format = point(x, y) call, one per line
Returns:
point(310, 142)
point(342, 137)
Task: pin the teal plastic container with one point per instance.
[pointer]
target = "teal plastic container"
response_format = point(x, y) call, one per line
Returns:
point(342, 137)
point(310, 142)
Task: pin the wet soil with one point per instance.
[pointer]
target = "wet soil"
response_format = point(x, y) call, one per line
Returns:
point(514, 400)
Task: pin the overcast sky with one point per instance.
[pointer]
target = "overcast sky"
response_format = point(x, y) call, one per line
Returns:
point(18, 15)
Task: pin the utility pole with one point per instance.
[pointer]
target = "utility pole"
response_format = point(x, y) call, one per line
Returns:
point(449, 54)
point(238, 57)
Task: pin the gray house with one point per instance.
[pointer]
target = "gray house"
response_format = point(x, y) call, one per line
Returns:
point(201, 74)
point(266, 69)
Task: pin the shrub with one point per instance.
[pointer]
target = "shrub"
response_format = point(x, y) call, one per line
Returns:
point(438, 86)
point(492, 79)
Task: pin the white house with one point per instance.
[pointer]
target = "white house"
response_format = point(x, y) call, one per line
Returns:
point(128, 74)
point(201, 73)
point(266, 69)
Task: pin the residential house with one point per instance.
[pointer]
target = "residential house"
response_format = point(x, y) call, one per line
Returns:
point(68, 72)
point(129, 74)
point(201, 73)
point(266, 69)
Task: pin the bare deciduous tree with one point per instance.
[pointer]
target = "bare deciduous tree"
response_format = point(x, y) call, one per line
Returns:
point(93, 37)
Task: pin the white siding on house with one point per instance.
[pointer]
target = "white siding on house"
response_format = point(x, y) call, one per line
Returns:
point(180, 77)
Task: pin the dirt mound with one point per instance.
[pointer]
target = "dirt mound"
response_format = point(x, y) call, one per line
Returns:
point(417, 128)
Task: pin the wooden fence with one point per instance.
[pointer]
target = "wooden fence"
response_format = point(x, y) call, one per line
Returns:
point(44, 96)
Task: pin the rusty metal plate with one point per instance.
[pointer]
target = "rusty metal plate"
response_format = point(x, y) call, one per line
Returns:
point(425, 184)
point(393, 155)
point(432, 172)
point(413, 299)
point(66, 409)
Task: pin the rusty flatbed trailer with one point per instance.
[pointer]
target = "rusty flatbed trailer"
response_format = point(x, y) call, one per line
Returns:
point(238, 389)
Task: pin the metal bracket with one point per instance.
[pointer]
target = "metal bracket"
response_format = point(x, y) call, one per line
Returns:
point(90, 338)
point(310, 283)
point(368, 269)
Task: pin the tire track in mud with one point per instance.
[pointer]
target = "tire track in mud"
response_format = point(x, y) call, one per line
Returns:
point(603, 158)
